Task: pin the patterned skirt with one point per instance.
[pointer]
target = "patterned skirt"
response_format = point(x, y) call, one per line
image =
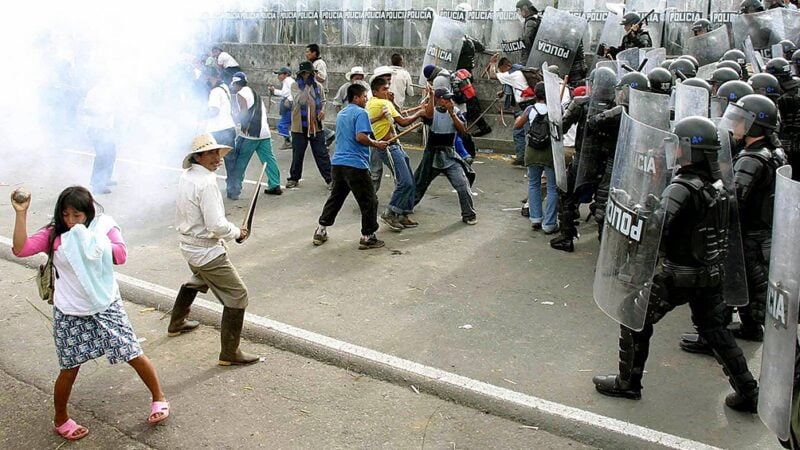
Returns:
point(82, 338)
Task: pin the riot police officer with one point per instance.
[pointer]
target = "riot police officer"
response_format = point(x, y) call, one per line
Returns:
point(722, 76)
point(731, 65)
point(789, 108)
point(660, 81)
point(739, 58)
point(782, 70)
point(683, 68)
point(701, 27)
point(750, 6)
point(607, 124)
point(788, 48)
point(765, 84)
point(728, 92)
point(695, 211)
point(530, 26)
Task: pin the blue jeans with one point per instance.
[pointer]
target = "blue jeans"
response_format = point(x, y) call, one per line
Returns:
point(549, 221)
point(519, 140)
point(285, 121)
point(402, 201)
point(105, 155)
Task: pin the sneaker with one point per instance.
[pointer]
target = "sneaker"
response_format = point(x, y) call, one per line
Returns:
point(274, 191)
point(371, 242)
point(406, 222)
point(526, 212)
point(290, 184)
point(553, 230)
point(392, 221)
point(287, 143)
point(536, 226)
point(320, 237)
point(469, 160)
point(470, 220)
point(518, 162)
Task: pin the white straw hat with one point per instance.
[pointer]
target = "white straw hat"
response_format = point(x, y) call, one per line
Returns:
point(203, 143)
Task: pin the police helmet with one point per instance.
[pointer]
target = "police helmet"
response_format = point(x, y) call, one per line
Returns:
point(699, 143)
point(692, 59)
point(665, 64)
point(734, 55)
point(722, 75)
point(602, 84)
point(630, 19)
point(796, 59)
point(683, 67)
point(750, 6)
point(732, 91)
point(731, 65)
point(765, 84)
point(788, 48)
point(701, 25)
point(660, 80)
point(765, 112)
point(697, 82)
point(631, 80)
point(779, 67)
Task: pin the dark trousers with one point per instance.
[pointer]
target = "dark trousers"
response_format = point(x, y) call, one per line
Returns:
point(227, 74)
point(105, 155)
point(348, 179)
point(321, 156)
point(473, 112)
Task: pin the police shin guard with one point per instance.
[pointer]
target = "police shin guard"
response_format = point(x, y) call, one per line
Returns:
point(568, 218)
point(180, 311)
point(634, 347)
point(734, 365)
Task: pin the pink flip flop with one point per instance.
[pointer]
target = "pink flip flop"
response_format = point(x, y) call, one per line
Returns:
point(158, 407)
point(69, 430)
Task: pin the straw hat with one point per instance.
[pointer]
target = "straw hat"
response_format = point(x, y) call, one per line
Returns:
point(204, 143)
point(357, 70)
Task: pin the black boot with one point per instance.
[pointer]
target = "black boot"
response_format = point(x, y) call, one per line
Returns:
point(634, 347)
point(180, 311)
point(694, 343)
point(747, 330)
point(734, 365)
point(745, 397)
point(563, 243)
point(230, 334)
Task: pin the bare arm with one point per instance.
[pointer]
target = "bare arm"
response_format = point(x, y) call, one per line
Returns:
point(406, 121)
point(364, 139)
point(20, 224)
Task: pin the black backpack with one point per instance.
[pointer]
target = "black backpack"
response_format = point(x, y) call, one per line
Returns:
point(539, 132)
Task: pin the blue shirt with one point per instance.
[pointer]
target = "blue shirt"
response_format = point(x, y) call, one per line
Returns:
point(350, 121)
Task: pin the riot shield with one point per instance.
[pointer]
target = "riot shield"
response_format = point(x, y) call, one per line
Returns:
point(477, 14)
point(372, 22)
point(308, 23)
point(552, 89)
point(506, 29)
point(444, 45)
point(791, 25)
point(780, 325)
point(705, 72)
point(655, 23)
point(709, 48)
point(734, 288)
point(395, 22)
point(612, 32)
point(724, 12)
point(596, 14)
point(272, 22)
point(418, 23)
point(559, 36)
point(332, 22)
point(287, 25)
point(680, 16)
point(690, 101)
point(651, 108)
point(250, 27)
point(630, 57)
point(763, 28)
point(753, 58)
point(654, 59)
point(601, 98)
point(633, 222)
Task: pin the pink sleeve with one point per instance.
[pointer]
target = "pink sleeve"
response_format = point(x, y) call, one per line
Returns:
point(36, 243)
point(118, 249)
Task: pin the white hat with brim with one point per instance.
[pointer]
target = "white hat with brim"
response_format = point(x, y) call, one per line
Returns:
point(381, 71)
point(357, 70)
point(203, 143)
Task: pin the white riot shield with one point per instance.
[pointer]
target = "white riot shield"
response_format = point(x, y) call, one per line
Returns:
point(734, 288)
point(634, 222)
point(552, 88)
point(332, 22)
point(654, 58)
point(780, 325)
point(601, 98)
point(709, 48)
point(763, 28)
point(705, 72)
point(444, 45)
point(272, 23)
point(630, 57)
point(753, 57)
point(612, 32)
point(287, 24)
point(557, 41)
point(251, 30)
point(680, 15)
point(394, 22)
point(724, 12)
point(506, 29)
point(308, 22)
point(690, 101)
point(655, 23)
point(419, 20)
point(479, 21)
point(791, 25)
point(650, 108)
point(372, 21)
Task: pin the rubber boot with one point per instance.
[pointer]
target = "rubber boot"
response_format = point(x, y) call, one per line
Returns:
point(633, 351)
point(694, 343)
point(230, 334)
point(180, 311)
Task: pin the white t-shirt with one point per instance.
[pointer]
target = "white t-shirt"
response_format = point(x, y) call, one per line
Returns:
point(516, 80)
point(226, 60)
point(286, 88)
point(247, 94)
point(220, 98)
point(401, 85)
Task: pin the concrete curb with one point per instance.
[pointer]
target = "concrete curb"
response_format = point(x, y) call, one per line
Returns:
point(583, 426)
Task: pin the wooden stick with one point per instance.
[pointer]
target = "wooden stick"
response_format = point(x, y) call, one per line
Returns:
point(411, 110)
point(563, 86)
point(483, 113)
point(405, 132)
point(248, 219)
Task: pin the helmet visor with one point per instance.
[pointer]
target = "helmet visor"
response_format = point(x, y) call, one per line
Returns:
point(736, 120)
point(683, 152)
point(718, 105)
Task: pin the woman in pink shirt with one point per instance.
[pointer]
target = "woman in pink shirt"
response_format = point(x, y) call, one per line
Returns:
point(88, 318)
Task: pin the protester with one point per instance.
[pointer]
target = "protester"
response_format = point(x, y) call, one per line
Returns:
point(401, 86)
point(321, 76)
point(439, 157)
point(255, 137)
point(284, 104)
point(226, 64)
point(383, 116)
point(307, 116)
point(351, 170)
point(514, 81)
point(355, 75)
point(219, 122)
point(200, 220)
point(89, 320)
point(538, 160)
point(99, 118)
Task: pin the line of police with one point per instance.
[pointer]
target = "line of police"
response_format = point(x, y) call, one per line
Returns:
point(696, 197)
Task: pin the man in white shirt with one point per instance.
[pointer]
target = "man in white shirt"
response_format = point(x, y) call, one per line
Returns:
point(401, 81)
point(200, 220)
point(285, 105)
point(515, 81)
point(255, 136)
point(226, 64)
point(219, 119)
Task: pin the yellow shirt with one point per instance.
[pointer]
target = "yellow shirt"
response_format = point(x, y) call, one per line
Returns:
point(375, 108)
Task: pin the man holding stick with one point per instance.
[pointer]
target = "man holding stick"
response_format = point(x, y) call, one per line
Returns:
point(383, 116)
point(200, 220)
point(350, 170)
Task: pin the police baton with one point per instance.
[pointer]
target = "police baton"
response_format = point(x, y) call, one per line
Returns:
point(638, 25)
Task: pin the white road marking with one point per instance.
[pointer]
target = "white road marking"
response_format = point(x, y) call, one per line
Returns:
point(501, 394)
